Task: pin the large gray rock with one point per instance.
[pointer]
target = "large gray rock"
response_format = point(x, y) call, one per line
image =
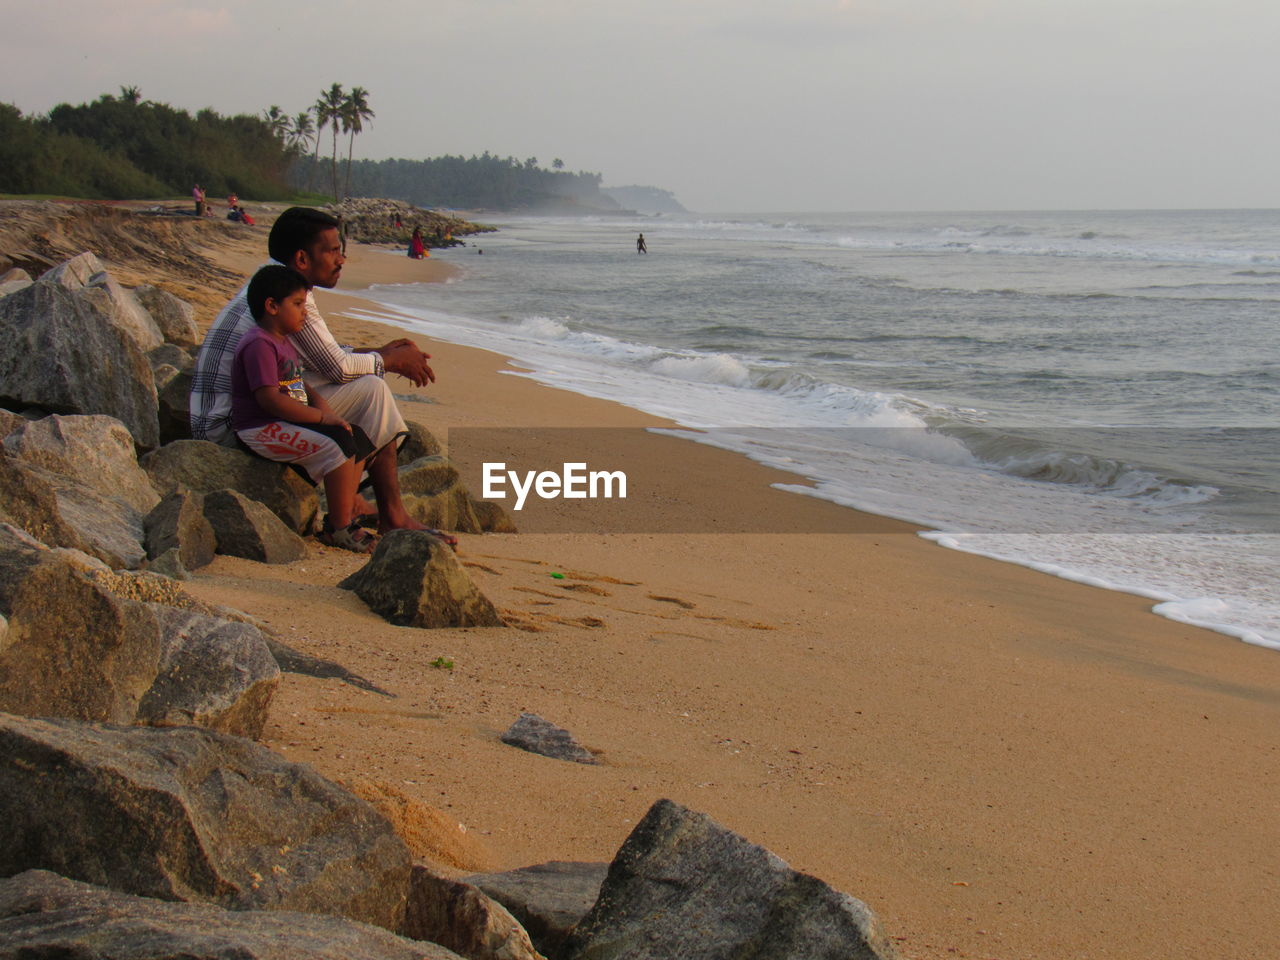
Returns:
point(414, 580)
point(420, 442)
point(62, 513)
point(10, 421)
point(85, 276)
point(172, 355)
point(96, 451)
point(245, 528)
point(207, 467)
point(174, 317)
point(462, 918)
point(549, 899)
point(684, 886)
point(491, 517)
point(88, 643)
point(182, 813)
point(43, 915)
point(532, 733)
point(72, 346)
point(212, 673)
point(178, 523)
point(173, 393)
point(435, 496)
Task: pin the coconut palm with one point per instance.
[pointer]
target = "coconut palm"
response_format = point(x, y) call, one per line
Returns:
point(355, 111)
point(131, 95)
point(301, 129)
point(277, 121)
point(329, 111)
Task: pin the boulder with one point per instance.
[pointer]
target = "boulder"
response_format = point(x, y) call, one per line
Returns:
point(548, 899)
point(245, 528)
point(10, 421)
point(69, 349)
point(420, 442)
point(181, 813)
point(15, 275)
point(684, 886)
point(62, 513)
point(414, 580)
point(532, 733)
point(435, 495)
point(174, 317)
point(212, 673)
point(178, 523)
point(86, 643)
point(45, 915)
point(207, 467)
point(170, 354)
point(86, 277)
point(461, 918)
point(173, 394)
point(96, 451)
point(428, 476)
point(13, 286)
point(491, 517)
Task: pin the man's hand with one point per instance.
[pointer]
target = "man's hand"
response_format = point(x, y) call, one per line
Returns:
point(405, 358)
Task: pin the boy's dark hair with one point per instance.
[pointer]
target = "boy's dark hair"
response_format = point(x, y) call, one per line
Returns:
point(272, 282)
point(297, 229)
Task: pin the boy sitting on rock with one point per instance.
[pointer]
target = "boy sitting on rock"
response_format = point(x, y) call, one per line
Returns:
point(277, 416)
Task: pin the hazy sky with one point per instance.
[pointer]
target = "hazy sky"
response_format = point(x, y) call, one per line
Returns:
point(736, 105)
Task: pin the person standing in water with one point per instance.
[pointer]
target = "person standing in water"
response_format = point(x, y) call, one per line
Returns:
point(640, 244)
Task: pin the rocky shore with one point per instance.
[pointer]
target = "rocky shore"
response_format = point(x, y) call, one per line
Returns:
point(143, 820)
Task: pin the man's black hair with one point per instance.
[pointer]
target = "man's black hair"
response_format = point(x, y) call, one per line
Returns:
point(296, 229)
point(273, 282)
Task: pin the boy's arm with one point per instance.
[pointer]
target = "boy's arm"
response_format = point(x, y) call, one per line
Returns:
point(318, 402)
point(276, 404)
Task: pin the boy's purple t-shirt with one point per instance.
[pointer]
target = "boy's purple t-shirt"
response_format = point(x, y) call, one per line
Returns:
point(260, 361)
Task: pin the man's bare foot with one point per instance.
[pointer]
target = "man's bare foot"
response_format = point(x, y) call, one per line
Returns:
point(408, 523)
point(400, 522)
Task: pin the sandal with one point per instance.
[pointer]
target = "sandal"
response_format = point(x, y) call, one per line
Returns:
point(354, 537)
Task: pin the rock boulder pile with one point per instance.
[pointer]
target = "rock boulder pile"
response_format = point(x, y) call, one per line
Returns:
point(140, 820)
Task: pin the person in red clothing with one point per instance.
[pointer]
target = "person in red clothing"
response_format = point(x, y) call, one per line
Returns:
point(417, 248)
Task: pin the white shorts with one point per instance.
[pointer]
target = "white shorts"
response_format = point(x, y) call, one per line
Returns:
point(317, 453)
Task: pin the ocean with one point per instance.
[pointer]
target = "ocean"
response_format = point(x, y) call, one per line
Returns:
point(1092, 394)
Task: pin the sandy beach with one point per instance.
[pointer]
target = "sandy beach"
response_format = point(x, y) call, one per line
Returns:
point(1000, 763)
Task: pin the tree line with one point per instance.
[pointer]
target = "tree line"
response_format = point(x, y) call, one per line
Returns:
point(119, 147)
point(487, 181)
point(124, 147)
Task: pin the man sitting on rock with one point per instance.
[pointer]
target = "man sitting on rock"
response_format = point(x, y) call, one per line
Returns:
point(350, 381)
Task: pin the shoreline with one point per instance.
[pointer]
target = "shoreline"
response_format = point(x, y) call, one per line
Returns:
point(1178, 609)
point(999, 762)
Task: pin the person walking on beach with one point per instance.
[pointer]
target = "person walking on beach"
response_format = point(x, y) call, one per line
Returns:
point(417, 248)
point(197, 194)
point(641, 247)
point(350, 381)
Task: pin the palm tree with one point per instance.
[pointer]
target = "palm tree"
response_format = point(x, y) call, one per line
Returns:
point(277, 121)
point(557, 164)
point(355, 111)
point(301, 129)
point(131, 95)
point(329, 111)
